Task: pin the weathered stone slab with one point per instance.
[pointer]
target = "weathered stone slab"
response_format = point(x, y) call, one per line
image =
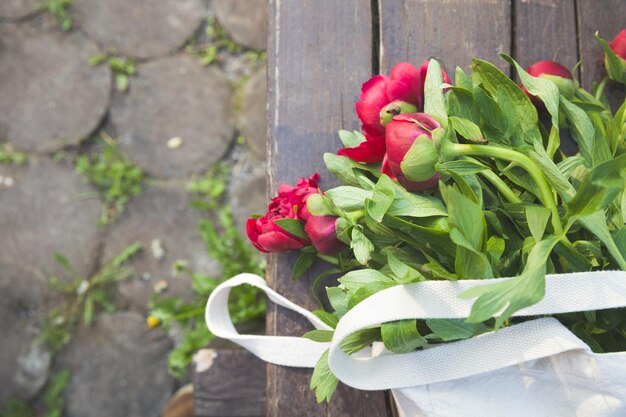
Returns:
point(175, 97)
point(161, 219)
point(139, 28)
point(43, 209)
point(39, 109)
point(244, 20)
point(118, 368)
point(15, 9)
point(253, 115)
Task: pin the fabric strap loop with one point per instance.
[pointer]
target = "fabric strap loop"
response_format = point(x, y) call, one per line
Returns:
point(431, 299)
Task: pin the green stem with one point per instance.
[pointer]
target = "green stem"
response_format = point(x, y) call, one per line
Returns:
point(504, 189)
point(330, 259)
point(544, 189)
point(187, 314)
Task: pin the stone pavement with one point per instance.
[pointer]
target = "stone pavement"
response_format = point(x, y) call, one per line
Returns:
point(177, 119)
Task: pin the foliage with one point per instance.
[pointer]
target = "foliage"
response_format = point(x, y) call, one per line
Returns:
point(122, 68)
point(49, 404)
point(59, 9)
point(114, 175)
point(8, 155)
point(234, 254)
point(83, 296)
point(510, 203)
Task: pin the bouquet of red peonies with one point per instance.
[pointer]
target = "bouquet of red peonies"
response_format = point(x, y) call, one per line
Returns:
point(480, 239)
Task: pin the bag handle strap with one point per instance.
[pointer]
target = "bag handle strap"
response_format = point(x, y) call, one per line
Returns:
point(279, 350)
point(431, 299)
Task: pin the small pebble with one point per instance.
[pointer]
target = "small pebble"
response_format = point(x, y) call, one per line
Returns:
point(160, 286)
point(175, 143)
point(147, 276)
point(156, 246)
point(9, 182)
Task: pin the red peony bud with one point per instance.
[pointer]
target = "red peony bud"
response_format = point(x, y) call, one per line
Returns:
point(322, 232)
point(424, 71)
point(265, 234)
point(618, 44)
point(401, 133)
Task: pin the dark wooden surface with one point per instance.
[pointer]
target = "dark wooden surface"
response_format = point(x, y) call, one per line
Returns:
point(453, 31)
point(229, 383)
point(319, 53)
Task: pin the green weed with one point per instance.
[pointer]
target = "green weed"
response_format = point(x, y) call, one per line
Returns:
point(8, 155)
point(122, 68)
point(234, 254)
point(59, 9)
point(84, 296)
point(114, 176)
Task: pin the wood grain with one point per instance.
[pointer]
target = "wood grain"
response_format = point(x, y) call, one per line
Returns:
point(454, 31)
point(229, 383)
point(607, 17)
point(545, 30)
point(319, 53)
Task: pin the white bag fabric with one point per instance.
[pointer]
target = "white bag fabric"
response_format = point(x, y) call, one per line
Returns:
point(534, 369)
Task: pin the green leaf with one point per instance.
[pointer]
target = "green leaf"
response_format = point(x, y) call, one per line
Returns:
point(88, 311)
point(360, 339)
point(513, 294)
point(351, 139)
point(415, 205)
point(543, 88)
point(361, 246)
point(516, 107)
point(323, 381)
point(467, 129)
point(599, 188)
point(319, 205)
point(382, 198)
point(615, 66)
point(121, 82)
point(404, 274)
point(349, 198)
point(434, 103)
point(455, 329)
point(292, 226)
point(537, 217)
point(327, 318)
point(341, 167)
point(322, 336)
point(466, 166)
point(355, 280)
point(581, 128)
point(402, 336)
point(338, 299)
point(465, 215)
point(367, 291)
point(303, 263)
point(419, 162)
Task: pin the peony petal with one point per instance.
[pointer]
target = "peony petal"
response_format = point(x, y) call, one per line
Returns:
point(406, 84)
point(253, 234)
point(370, 151)
point(373, 98)
point(279, 242)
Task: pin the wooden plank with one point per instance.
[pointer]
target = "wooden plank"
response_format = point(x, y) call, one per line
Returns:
point(319, 53)
point(545, 30)
point(453, 31)
point(228, 383)
point(607, 17)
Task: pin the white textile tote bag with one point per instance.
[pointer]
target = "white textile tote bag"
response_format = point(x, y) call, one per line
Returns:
point(534, 369)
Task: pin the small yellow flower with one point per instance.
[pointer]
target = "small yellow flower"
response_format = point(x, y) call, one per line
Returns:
point(152, 322)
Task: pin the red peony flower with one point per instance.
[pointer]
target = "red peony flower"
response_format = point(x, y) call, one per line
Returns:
point(290, 203)
point(402, 132)
point(618, 44)
point(402, 88)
